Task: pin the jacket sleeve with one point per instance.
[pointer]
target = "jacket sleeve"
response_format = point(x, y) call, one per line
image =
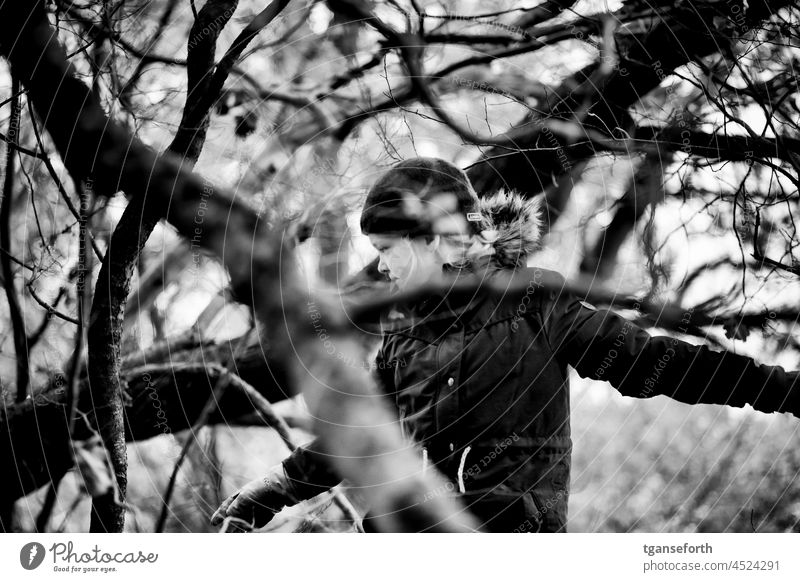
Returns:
point(602, 345)
point(308, 468)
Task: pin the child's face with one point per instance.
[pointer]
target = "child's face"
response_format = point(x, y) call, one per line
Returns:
point(408, 262)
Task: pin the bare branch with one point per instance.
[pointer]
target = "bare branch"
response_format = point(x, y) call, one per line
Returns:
point(15, 313)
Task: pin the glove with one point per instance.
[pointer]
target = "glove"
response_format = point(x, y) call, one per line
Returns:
point(258, 501)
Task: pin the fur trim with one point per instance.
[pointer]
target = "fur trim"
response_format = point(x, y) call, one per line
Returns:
point(517, 222)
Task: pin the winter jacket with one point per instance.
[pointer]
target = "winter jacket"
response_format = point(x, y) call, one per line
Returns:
point(481, 382)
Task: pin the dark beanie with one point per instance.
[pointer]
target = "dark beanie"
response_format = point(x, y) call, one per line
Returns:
point(413, 194)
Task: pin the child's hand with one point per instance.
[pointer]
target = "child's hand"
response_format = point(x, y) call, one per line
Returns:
point(258, 501)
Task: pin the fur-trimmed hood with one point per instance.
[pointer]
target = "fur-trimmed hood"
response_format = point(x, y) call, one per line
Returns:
point(512, 225)
point(510, 230)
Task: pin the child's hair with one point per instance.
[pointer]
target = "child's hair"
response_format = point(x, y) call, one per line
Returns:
point(465, 251)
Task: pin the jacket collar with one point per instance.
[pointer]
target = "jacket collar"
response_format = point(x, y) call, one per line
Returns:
point(446, 307)
point(513, 223)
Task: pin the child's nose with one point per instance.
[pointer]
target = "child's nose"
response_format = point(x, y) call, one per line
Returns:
point(382, 266)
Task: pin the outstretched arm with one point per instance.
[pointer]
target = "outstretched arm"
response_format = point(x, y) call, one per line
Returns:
point(602, 345)
point(308, 468)
point(306, 473)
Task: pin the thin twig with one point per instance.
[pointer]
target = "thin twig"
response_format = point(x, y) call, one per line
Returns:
point(54, 175)
point(51, 309)
point(83, 300)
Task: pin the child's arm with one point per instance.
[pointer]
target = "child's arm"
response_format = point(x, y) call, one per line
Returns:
point(308, 468)
point(602, 345)
point(309, 471)
point(304, 474)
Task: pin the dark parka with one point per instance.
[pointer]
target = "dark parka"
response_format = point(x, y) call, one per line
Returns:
point(481, 381)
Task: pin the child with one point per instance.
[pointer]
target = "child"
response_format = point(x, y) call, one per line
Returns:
point(480, 382)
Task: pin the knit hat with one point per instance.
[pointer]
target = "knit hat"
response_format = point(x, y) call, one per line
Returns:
point(422, 196)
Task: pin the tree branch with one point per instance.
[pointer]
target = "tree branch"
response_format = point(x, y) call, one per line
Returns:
point(15, 313)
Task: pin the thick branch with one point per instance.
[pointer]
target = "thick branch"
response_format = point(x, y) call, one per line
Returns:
point(667, 40)
point(644, 186)
point(15, 313)
point(162, 399)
